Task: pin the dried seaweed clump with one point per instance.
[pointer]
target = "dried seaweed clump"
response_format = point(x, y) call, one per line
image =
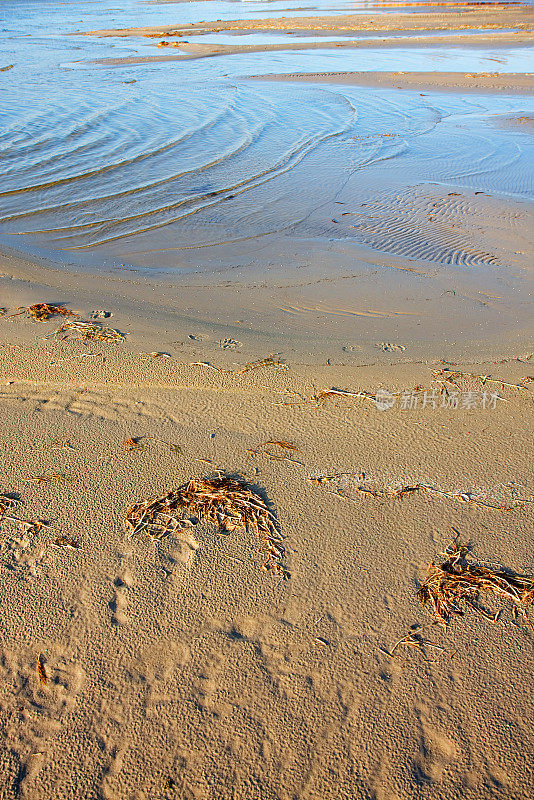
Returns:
point(43, 311)
point(448, 376)
point(226, 502)
point(133, 445)
point(41, 672)
point(90, 330)
point(8, 503)
point(457, 581)
point(11, 504)
point(270, 361)
point(402, 491)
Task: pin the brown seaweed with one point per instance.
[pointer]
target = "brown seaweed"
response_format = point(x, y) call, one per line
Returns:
point(457, 582)
point(223, 501)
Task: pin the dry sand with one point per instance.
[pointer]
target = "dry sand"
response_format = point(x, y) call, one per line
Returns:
point(519, 18)
point(179, 668)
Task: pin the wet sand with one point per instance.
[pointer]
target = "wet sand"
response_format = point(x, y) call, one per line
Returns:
point(439, 269)
point(478, 82)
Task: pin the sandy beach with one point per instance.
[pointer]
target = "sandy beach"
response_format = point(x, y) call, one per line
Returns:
point(495, 16)
point(305, 273)
point(177, 667)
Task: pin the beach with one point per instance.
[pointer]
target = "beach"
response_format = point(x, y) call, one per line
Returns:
point(180, 663)
point(303, 271)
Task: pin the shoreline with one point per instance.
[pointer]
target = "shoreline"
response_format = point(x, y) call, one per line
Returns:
point(521, 17)
point(194, 50)
point(307, 324)
point(509, 83)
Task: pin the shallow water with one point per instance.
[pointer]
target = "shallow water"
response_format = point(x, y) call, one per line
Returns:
point(140, 164)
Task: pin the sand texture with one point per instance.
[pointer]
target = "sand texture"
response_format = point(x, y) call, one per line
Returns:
point(178, 668)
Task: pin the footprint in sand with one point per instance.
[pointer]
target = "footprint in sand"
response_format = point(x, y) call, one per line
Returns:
point(436, 752)
point(389, 347)
point(21, 550)
point(35, 701)
point(351, 348)
point(66, 677)
point(229, 344)
point(119, 602)
point(176, 561)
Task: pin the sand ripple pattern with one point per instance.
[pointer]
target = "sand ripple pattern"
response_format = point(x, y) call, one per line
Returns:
point(418, 223)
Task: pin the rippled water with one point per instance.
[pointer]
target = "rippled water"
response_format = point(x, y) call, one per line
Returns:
point(139, 164)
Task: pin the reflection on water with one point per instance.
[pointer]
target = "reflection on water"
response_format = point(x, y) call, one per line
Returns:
point(247, 37)
point(138, 163)
point(348, 59)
